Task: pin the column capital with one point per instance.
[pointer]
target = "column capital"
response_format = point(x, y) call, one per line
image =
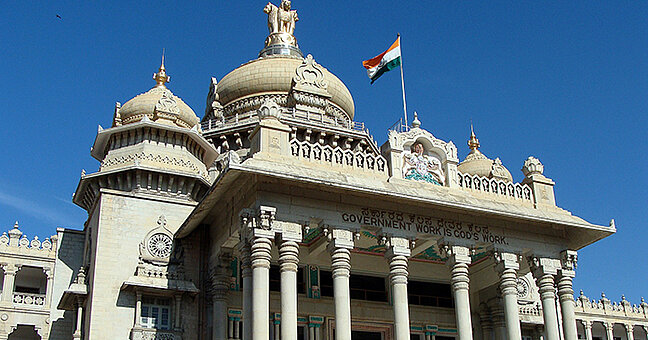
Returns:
point(587, 324)
point(568, 261)
point(541, 266)
point(609, 325)
point(629, 326)
point(396, 246)
point(220, 278)
point(11, 269)
point(288, 231)
point(288, 255)
point(339, 238)
point(456, 254)
point(505, 261)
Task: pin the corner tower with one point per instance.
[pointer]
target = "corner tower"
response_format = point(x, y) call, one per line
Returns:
point(153, 170)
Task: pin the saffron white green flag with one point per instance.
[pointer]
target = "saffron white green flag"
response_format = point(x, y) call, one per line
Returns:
point(383, 62)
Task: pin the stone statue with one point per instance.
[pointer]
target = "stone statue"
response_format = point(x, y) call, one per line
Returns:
point(421, 167)
point(281, 19)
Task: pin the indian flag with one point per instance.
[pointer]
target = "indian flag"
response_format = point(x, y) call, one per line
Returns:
point(384, 62)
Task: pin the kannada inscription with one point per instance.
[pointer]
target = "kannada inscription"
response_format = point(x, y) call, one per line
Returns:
point(424, 224)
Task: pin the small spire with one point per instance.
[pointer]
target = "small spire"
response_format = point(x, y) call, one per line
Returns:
point(16, 225)
point(473, 142)
point(161, 78)
point(416, 122)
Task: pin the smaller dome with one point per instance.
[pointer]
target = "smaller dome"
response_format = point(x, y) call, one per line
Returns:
point(159, 104)
point(476, 163)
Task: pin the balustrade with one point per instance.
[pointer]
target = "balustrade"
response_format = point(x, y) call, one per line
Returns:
point(516, 191)
point(29, 299)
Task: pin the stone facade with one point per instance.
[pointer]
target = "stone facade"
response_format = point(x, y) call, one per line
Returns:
point(278, 216)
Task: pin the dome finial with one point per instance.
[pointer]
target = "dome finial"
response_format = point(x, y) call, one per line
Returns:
point(473, 142)
point(161, 78)
point(416, 122)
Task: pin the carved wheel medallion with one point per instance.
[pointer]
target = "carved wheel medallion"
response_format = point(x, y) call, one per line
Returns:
point(159, 245)
point(523, 289)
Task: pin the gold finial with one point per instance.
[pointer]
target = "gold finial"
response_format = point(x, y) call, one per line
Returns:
point(161, 78)
point(473, 142)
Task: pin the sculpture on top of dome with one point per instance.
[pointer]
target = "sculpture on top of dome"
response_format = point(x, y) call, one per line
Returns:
point(281, 24)
point(281, 19)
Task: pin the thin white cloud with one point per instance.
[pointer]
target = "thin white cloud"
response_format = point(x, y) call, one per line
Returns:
point(36, 209)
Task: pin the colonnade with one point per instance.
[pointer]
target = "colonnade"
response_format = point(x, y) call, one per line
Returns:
point(259, 231)
point(609, 329)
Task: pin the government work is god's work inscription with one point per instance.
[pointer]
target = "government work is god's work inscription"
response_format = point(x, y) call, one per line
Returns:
point(424, 225)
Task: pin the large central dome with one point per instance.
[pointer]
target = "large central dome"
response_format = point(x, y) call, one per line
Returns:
point(273, 75)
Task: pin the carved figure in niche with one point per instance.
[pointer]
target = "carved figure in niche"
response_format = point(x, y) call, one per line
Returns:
point(281, 19)
point(421, 167)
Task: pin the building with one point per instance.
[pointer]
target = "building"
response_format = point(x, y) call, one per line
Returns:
point(278, 216)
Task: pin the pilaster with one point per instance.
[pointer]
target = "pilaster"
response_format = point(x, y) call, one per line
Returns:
point(220, 293)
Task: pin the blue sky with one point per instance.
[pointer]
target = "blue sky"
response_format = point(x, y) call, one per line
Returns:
point(566, 82)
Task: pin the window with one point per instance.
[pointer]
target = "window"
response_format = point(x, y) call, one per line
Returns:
point(156, 313)
point(429, 294)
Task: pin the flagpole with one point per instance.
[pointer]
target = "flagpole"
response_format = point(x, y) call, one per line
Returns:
point(403, 82)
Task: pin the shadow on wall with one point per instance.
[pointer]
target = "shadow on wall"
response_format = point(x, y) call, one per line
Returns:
point(70, 252)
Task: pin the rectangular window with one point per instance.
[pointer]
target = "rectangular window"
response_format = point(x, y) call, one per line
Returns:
point(429, 294)
point(155, 313)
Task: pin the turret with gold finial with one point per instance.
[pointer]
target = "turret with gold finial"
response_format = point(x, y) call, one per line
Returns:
point(473, 142)
point(161, 78)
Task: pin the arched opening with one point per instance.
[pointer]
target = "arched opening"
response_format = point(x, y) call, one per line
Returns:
point(24, 332)
point(30, 286)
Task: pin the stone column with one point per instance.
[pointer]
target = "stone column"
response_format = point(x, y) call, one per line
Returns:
point(138, 309)
point(499, 321)
point(340, 245)
point(609, 330)
point(49, 273)
point(10, 271)
point(566, 294)
point(261, 242)
point(288, 260)
point(486, 322)
point(398, 253)
point(507, 267)
point(587, 325)
point(176, 323)
point(459, 260)
point(220, 290)
point(544, 270)
point(79, 318)
point(629, 331)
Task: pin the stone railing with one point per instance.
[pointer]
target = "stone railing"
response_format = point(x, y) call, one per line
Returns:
point(154, 334)
point(606, 307)
point(533, 309)
point(515, 191)
point(325, 154)
point(29, 299)
point(324, 119)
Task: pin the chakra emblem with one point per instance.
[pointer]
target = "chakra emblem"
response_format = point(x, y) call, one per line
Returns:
point(159, 245)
